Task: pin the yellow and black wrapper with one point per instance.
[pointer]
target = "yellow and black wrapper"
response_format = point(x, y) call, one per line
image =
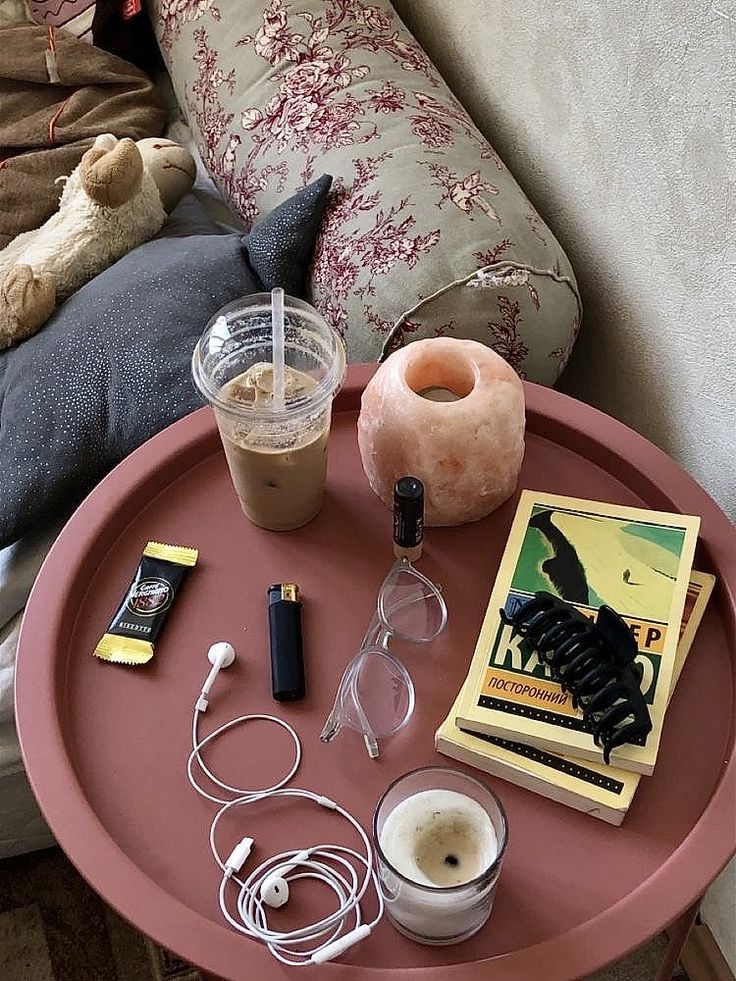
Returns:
point(148, 599)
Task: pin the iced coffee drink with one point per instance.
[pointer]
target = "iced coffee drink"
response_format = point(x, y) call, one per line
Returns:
point(276, 447)
point(279, 477)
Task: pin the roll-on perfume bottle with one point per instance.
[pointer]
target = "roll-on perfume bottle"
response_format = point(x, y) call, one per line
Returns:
point(285, 632)
point(408, 518)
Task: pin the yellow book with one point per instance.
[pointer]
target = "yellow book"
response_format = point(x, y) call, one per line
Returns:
point(590, 554)
point(603, 791)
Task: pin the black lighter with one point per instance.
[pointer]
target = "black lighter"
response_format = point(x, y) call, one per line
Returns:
point(285, 632)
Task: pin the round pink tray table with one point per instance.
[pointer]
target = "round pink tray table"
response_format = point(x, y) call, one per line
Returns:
point(105, 745)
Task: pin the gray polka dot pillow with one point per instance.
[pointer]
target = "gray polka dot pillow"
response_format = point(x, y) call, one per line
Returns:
point(427, 233)
point(111, 368)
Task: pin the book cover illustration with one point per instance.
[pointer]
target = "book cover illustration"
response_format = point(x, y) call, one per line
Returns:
point(602, 791)
point(588, 553)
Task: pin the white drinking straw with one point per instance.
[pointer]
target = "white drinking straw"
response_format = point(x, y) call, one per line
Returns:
point(277, 328)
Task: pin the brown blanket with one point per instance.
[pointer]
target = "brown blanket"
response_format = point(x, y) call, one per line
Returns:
point(56, 95)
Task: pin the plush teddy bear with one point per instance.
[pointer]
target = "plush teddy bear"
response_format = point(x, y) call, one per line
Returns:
point(117, 198)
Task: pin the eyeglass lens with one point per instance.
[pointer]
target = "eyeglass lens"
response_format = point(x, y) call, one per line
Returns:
point(384, 692)
point(411, 606)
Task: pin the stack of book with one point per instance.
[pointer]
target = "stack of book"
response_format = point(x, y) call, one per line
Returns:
point(510, 717)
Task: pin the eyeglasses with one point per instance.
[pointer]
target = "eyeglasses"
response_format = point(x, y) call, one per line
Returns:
point(375, 696)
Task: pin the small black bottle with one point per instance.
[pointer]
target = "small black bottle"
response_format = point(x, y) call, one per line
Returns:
point(408, 518)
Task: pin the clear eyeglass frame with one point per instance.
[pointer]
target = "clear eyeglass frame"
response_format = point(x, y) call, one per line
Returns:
point(376, 694)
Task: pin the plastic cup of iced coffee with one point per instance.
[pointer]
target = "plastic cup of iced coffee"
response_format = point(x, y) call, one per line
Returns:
point(276, 450)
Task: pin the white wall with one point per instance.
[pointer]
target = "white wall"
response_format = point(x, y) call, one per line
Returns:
point(618, 121)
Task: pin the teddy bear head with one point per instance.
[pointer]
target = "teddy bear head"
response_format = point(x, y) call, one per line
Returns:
point(111, 171)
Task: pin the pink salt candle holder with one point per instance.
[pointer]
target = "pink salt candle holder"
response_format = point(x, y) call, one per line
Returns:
point(450, 412)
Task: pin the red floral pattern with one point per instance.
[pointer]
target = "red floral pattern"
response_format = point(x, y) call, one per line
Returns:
point(466, 193)
point(211, 117)
point(506, 339)
point(562, 353)
point(535, 222)
point(386, 326)
point(401, 336)
point(388, 99)
point(173, 13)
point(491, 256)
point(341, 255)
point(320, 97)
point(511, 276)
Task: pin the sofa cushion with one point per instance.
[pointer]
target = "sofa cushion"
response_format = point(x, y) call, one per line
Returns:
point(420, 203)
point(112, 366)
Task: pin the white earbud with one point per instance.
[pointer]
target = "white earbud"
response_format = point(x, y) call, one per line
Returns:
point(219, 655)
point(274, 890)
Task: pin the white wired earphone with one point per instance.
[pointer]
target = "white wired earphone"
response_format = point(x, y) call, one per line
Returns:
point(268, 884)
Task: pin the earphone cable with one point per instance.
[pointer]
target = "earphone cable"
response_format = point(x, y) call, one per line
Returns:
point(332, 865)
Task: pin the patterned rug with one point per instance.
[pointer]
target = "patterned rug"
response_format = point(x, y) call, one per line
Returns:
point(53, 927)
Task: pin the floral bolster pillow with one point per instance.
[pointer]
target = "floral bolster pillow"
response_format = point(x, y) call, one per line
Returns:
point(426, 232)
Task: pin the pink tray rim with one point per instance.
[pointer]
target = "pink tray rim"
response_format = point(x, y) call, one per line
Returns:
point(679, 882)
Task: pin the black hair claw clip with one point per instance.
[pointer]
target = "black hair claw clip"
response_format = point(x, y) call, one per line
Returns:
point(594, 662)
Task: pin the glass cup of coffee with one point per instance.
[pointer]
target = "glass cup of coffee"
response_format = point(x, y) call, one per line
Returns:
point(276, 452)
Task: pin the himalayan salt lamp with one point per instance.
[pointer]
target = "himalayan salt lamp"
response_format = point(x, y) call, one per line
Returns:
point(450, 412)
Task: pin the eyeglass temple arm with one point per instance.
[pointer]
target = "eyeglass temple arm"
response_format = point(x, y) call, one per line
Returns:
point(369, 737)
point(333, 723)
point(375, 633)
